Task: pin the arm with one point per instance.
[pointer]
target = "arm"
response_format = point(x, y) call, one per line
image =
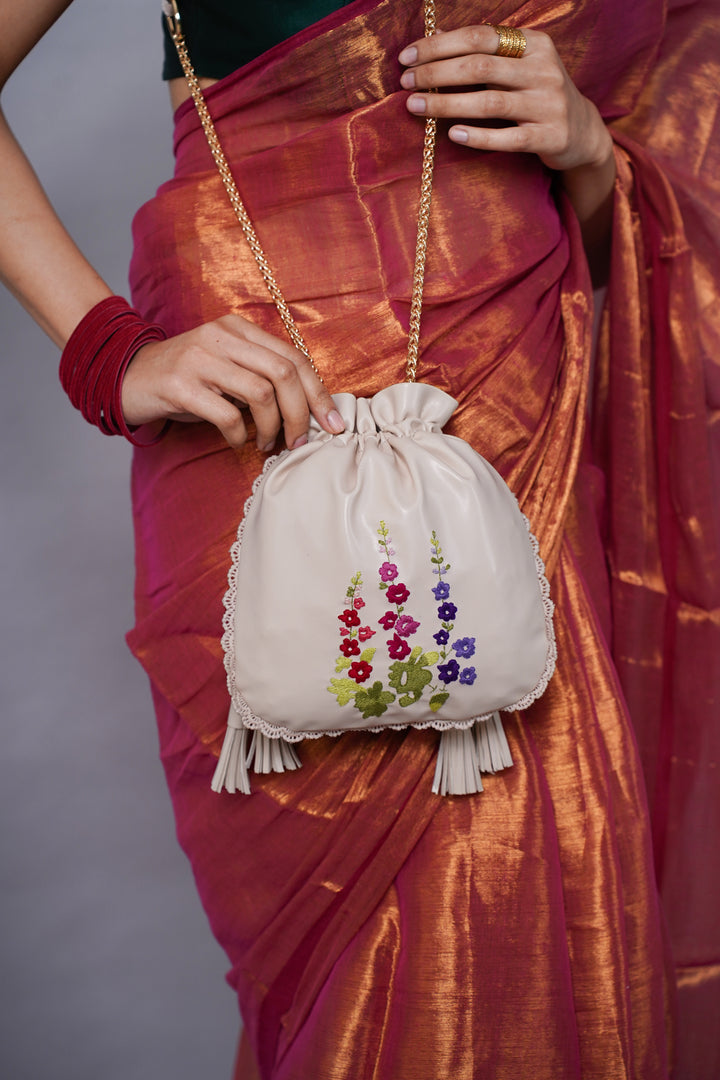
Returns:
point(211, 372)
point(549, 116)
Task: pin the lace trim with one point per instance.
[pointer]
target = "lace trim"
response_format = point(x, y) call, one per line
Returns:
point(273, 731)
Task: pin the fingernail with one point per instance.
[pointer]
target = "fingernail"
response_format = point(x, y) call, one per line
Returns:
point(407, 80)
point(409, 55)
point(458, 134)
point(299, 442)
point(336, 422)
point(266, 449)
point(416, 104)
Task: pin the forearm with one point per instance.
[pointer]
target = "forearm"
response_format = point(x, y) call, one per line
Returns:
point(39, 261)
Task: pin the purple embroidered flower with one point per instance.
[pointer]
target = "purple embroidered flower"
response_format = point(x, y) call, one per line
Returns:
point(360, 670)
point(447, 612)
point(349, 647)
point(406, 625)
point(441, 637)
point(349, 617)
point(364, 633)
point(468, 676)
point(388, 620)
point(449, 672)
point(464, 647)
point(441, 591)
point(388, 571)
point(358, 602)
point(397, 594)
point(398, 648)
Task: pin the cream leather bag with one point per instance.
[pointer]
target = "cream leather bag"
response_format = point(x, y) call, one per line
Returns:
point(381, 578)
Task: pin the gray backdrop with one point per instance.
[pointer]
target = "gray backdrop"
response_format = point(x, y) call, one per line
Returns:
point(107, 967)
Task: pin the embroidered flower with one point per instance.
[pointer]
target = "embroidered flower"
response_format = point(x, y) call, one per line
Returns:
point(398, 594)
point(446, 612)
point(398, 648)
point(358, 602)
point(468, 676)
point(360, 670)
point(449, 672)
point(364, 633)
point(349, 617)
point(349, 647)
point(388, 571)
point(441, 591)
point(388, 620)
point(441, 637)
point(464, 647)
point(344, 631)
point(406, 625)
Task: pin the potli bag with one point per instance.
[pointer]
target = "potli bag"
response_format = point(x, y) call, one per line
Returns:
point(392, 579)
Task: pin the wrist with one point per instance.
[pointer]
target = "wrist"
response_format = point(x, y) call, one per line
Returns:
point(96, 358)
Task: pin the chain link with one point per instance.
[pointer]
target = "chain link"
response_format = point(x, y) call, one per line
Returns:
point(172, 15)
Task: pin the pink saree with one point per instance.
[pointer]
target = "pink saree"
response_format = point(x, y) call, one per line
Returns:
point(373, 929)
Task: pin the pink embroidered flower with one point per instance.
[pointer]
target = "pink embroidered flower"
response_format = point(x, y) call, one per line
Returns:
point(344, 631)
point(398, 648)
point(358, 602)
point(349, 647)
point(349, 617)
point(360, 670)
point(388, 571)
point(388, 620)
point(364, 633)
point(397, 594)
point(406, 625)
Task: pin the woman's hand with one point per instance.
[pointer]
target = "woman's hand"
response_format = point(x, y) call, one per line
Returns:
point(549, 115)
point(545, 113)
point(213, 372)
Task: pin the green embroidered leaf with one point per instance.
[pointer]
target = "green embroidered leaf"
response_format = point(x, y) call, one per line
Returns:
point(430, 658)
point(373, 701)
point(367, 654)
point(344, 688)
point(409, 677)
point(342, 663)
point(438, 700)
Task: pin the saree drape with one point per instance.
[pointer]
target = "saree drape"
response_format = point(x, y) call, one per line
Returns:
point(375, 930)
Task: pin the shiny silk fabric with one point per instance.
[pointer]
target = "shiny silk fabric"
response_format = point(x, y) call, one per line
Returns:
point(373, 929)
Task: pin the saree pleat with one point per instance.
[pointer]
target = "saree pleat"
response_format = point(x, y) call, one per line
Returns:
point(373, 929)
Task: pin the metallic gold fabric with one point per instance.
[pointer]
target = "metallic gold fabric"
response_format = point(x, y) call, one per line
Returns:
point(375, 930)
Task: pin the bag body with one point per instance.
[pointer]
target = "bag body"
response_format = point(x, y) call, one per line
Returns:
point(384, 577)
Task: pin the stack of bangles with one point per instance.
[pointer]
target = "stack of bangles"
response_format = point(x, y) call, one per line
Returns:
point(96, 358)
point(512, 41)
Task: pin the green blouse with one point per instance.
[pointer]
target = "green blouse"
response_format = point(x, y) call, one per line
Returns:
point(222, 35)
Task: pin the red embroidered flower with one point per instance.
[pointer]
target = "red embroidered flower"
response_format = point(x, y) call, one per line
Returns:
point(388, 620)
point(349, 617)
point(349, 647)
point(344, 631)
point(365, 632)
point(398, 648)
point(358, 602)
point(360, 670)
point(397, 594)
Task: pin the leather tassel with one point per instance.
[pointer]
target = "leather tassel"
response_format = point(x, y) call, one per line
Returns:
point(457, 771)
point(231, 771)
point(492, 746)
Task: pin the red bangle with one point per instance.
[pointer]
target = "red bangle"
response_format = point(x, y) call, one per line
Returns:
point(96, 358)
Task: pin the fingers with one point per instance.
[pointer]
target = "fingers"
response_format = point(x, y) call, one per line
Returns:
point(317, 397)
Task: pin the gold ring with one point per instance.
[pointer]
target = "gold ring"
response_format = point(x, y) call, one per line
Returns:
point(512, 41)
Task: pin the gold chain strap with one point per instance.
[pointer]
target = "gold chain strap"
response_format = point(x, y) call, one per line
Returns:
point(172, 16)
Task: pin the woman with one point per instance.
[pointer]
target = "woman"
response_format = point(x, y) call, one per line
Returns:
point(525, 919)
